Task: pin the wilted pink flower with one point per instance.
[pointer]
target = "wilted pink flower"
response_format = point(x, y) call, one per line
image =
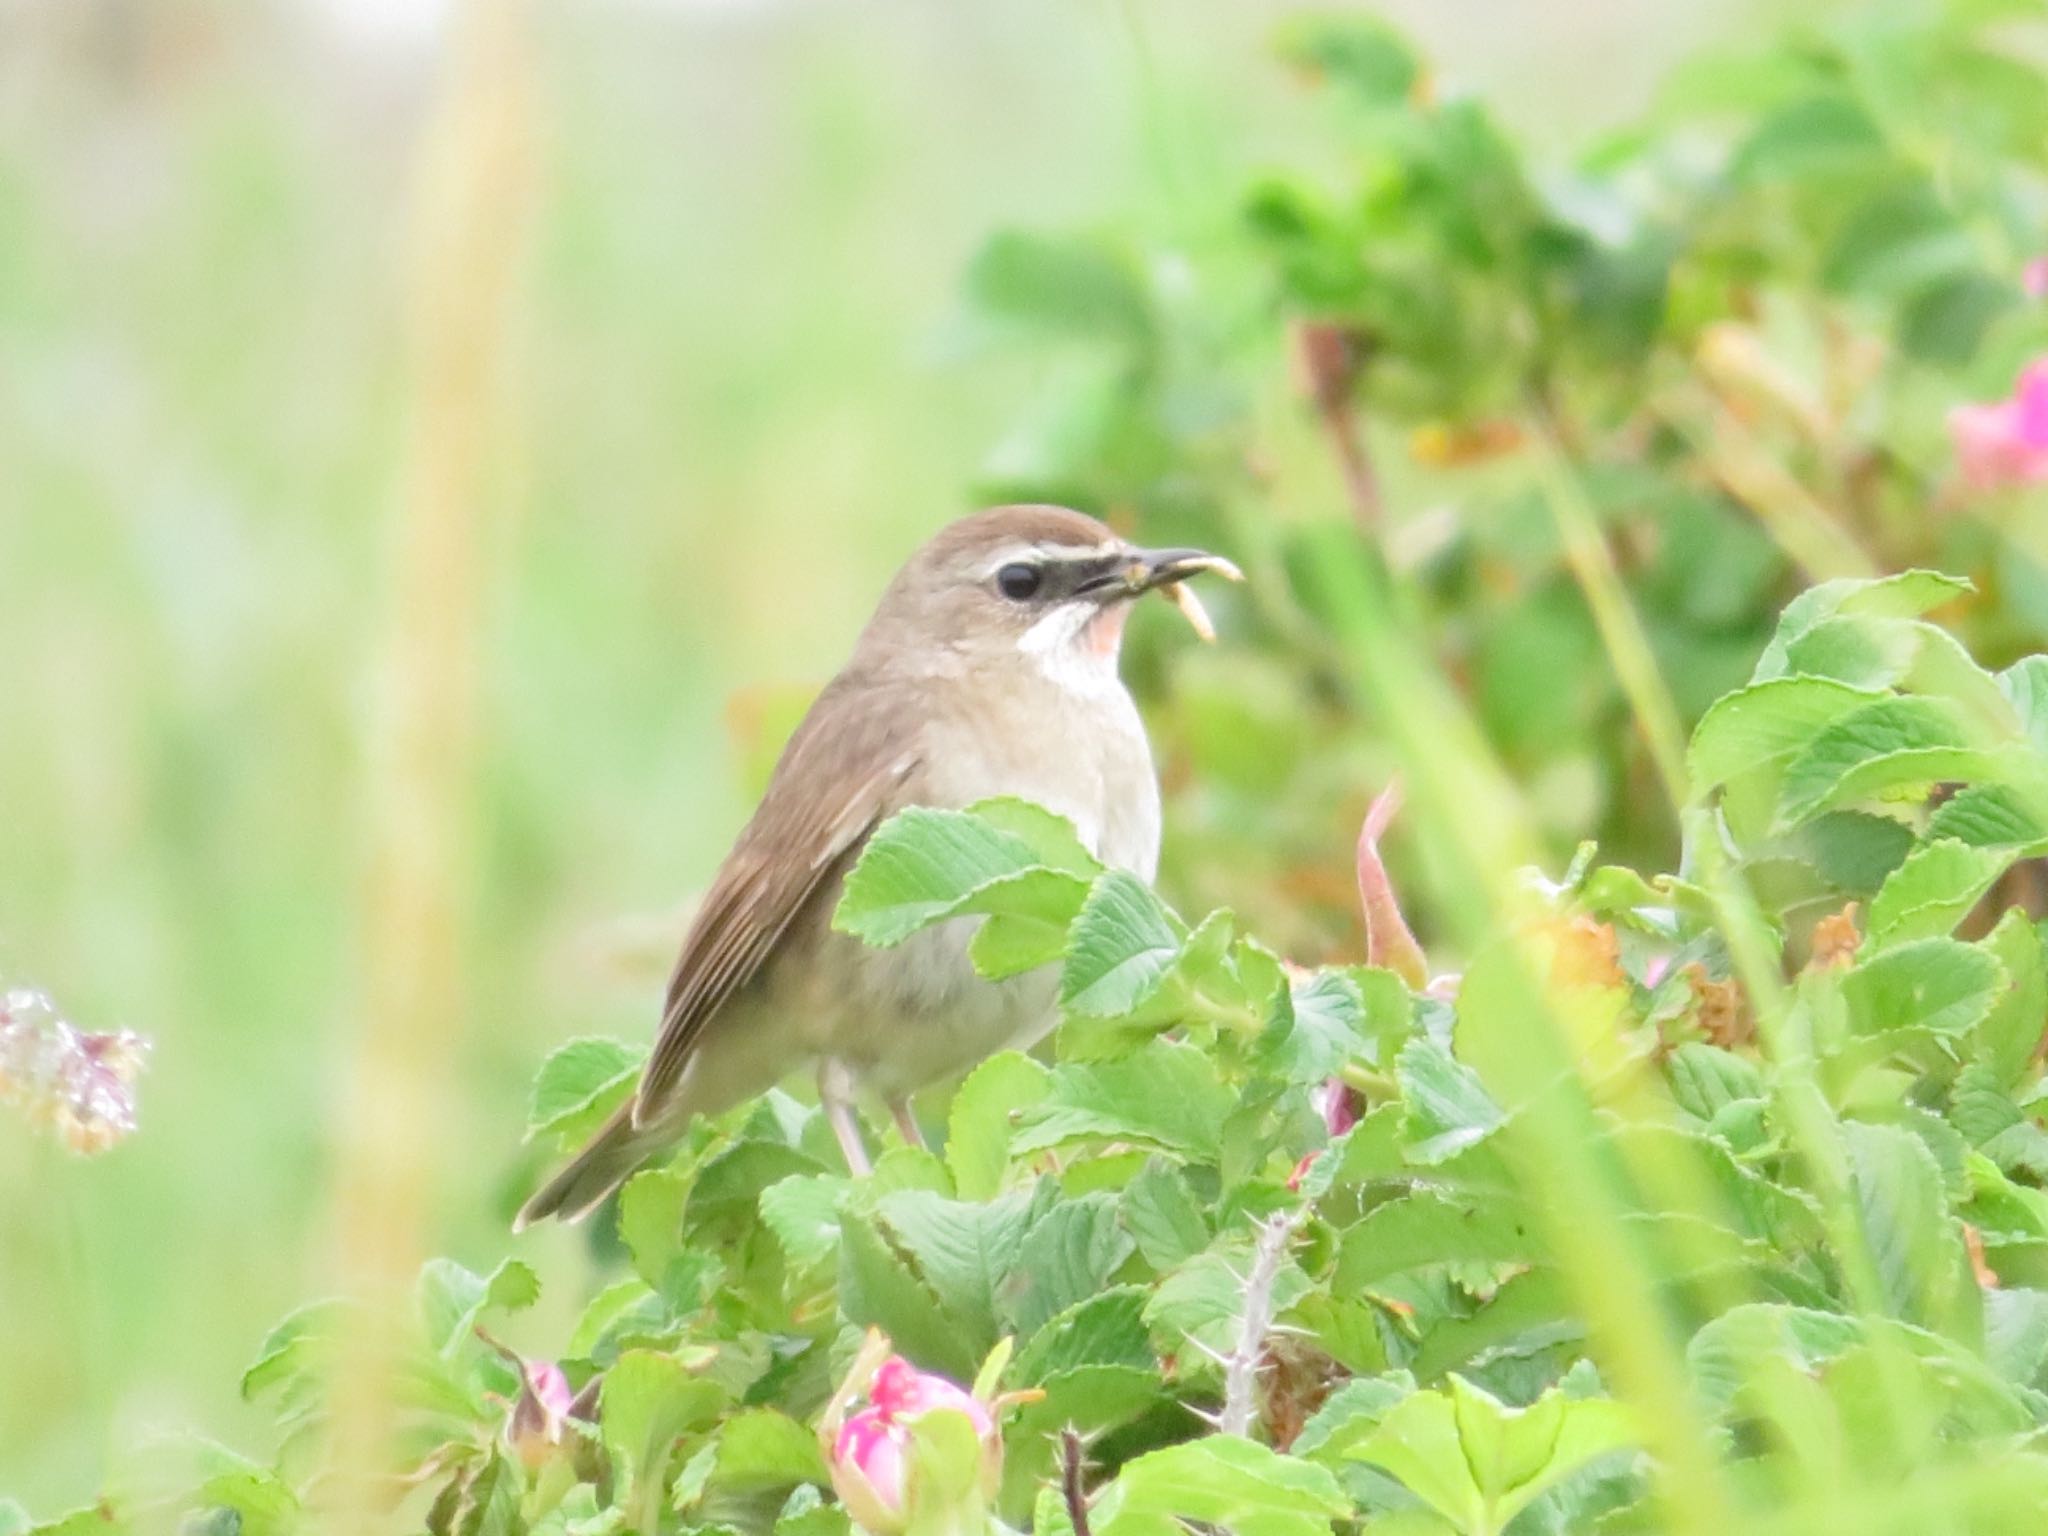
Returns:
point(2005, 443)
point(81, 1085)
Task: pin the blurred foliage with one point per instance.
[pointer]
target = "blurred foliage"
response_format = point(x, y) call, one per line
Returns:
point(1739, 325)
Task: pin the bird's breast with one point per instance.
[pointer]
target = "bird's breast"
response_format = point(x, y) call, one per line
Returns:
point(1081, 753)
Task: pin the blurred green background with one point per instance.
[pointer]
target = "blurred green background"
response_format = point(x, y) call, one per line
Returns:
point(742, 392)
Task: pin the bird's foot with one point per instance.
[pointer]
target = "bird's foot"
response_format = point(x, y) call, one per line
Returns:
point(906, 1122)
point(835, 1092)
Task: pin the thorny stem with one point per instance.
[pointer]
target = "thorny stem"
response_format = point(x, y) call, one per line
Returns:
point(1070, 1481)
point(1241, 1365)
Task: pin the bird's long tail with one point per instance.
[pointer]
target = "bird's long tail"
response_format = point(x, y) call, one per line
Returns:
point(614, 1152)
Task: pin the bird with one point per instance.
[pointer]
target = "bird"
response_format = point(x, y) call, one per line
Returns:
point(989, 668)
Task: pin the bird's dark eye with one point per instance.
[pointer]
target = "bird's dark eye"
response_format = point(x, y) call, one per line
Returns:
point(1019, 581)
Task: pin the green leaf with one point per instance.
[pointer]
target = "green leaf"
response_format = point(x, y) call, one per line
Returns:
point(1106, 1329)
point(964, 1250)
point(1906, 595)
point(1068, 1255)
point(1905, 1218)
point(651, 1209)
point(978, 1127)
point(1766, 722)
point(1165, 1096)
point(1321, 1030)
point(452, 1298)
point(1119, 948)
point(1350, 1414)
point(879, 1288)
point(1931, 892)
point(1431, 1227)
point(579, 1084)
point(1221, 1480)
point(1161, 1213)
point(1895, 744)
point(765, 1448)
point(1942, 986)
point(1448, 1107)
point(1478, 1462)
point(647, 1403)
point(923, 866)
point(803, 1213)
point(1705, 1079)
point(2006, 1039)
point(1989, 816)
point(2025, 684)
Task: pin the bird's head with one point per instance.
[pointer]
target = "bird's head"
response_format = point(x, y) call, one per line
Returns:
point(1044, 584)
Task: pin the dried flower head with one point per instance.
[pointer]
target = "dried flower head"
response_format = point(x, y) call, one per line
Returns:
point(79, 1084)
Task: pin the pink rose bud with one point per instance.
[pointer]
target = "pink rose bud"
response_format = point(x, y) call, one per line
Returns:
point(869, 1444)
point(2005, 443)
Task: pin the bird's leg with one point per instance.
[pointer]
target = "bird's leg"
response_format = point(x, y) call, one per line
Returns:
point(835, 1092)
point(906, 1122)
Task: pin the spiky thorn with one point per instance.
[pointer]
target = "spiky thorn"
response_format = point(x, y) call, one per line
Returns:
point(1070, 1481)
point(1243, 1363)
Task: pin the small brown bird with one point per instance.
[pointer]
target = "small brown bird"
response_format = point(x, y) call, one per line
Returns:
point(990, 668)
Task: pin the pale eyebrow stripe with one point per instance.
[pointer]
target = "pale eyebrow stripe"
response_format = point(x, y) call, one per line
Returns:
point(1054, 552)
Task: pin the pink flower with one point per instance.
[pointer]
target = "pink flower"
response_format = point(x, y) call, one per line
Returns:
point(81, 1085)
point(2005, 443)
point(2034, 278)
point(872, 1444)
point(873, 1470)
point(901, 1391)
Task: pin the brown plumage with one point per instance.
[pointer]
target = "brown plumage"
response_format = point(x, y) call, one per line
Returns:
point(962, 686)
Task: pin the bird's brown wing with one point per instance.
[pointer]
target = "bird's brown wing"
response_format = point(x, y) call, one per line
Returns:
point(835, 780)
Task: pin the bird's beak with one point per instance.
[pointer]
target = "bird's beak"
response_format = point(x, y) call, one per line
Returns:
point(1150, 568)
point(1166, 569)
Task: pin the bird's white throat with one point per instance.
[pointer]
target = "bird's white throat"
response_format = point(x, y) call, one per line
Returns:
point(1075, 646)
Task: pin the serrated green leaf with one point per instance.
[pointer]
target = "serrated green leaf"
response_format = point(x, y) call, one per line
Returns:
point(1989, 816)
point(2008, 1035)
point(964, 1250)
point(647, 1403)
point(1432, 1227)
point(765, 1448)
point(1942, 986)
point(1160, 1211)
point(1119, 948)
point(1068, 1255)
point(925, 865)
point(1894, 744)
point(651, 1209)
point(1350, 1415)
point(1905, 1218)
point(579, 1084)
point(984, 1110)
point(1448, 1107)
point(1478, 1462)
point(803, 1213)
point(879, 1288)
point(1705, 1079)
point(1105, 1329)
point(1165, 1096)
point(1223, 1480)
point(1931, 892)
